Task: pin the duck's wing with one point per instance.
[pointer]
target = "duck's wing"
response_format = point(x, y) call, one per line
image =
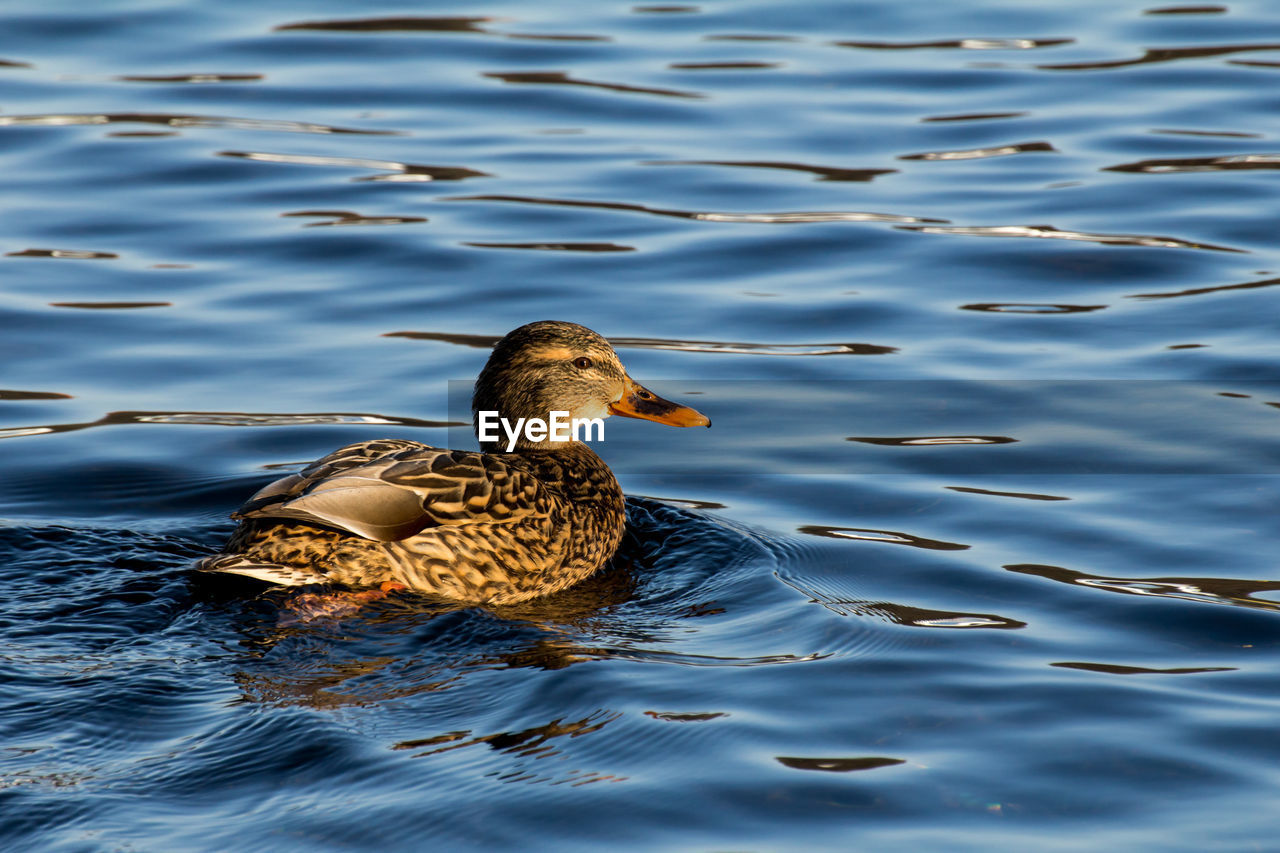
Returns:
point(391, 489)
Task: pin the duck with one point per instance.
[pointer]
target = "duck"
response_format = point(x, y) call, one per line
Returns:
point(535, 511)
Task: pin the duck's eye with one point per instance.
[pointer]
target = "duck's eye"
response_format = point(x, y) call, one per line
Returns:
point(582, 362)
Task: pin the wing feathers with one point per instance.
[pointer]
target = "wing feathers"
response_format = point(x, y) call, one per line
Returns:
point(389, 490)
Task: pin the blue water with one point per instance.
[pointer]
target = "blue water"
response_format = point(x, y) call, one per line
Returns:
point(981, 298)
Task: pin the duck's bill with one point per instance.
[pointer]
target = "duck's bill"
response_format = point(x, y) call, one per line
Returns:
point(639, 402)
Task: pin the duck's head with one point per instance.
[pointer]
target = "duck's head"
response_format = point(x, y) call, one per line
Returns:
point(551, 366)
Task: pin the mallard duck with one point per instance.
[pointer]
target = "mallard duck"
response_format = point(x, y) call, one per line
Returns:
point(522, 518)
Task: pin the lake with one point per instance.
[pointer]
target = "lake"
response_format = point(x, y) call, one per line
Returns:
point(983, 299)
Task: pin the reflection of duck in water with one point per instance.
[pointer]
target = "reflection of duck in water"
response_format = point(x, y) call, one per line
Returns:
point(494, 527)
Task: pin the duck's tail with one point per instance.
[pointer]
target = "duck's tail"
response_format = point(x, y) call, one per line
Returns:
point(239, 564)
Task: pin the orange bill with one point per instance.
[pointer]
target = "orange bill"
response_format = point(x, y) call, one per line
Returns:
point(639, 402)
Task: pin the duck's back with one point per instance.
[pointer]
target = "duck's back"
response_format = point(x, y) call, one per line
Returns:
point(483, 527)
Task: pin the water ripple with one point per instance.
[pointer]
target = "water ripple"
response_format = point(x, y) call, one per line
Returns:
point(66, 254)
point(686, 659)
point(232, 419)
point(347, 217)
point(179, 120)
point(931, 440)
point(397, 172)
point(961, 44)
point(1186, 10)
point(981, 153)
point(561, 78)
point(549, 247)
point(905, 615)
point(888, 537)
point(1049, 232)
point(1235, 592)
point(824, 173)
point(1031, 308)
point(1119, 669)
point(768, 218)
point(191, 78)
point(745, 65)
point(390, 24)
point(750, 37)
point(1224, 163)
point(686, 717)
point(838, 765)
point(1200, 291)
point(729, 347)
point(975, 117)
point(110, 306)
point(7, 394)
point(1161, 54)
point(1030, 496)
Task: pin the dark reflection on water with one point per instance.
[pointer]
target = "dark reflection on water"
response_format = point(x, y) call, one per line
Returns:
point(1030, 308)
point(549, 247)
point(724, 66)
point(1120, 669)
point(895, 613)
point(838, 765)
point(1049, 232)
point(975, 117)
point(177, 120)
point(1031, 496)
point(931, 440)
point(536, 742)
point(1200, 291)
point(787, 217)
point(234, 419)
point(561, 78)
point(735, 347)
point(964, 44)
point(141, 134)
point(750, 37)
point(110, 306)
point(397, 172)
point(348, 217)
point(72, 254)
point(406, 24)
point(32, 395)
point(191, 78)
point(824, 173)
point(981, 153)
point(1186, 10)
point(1161, 54)
point(891, 537)
point(1227, 134)
point(675, 717)
point(1235, 592)
point(1201, 164)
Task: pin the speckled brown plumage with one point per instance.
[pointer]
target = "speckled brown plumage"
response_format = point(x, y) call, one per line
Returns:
point(489, 527)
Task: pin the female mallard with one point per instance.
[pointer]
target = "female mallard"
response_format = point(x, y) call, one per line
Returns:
point(498, 527)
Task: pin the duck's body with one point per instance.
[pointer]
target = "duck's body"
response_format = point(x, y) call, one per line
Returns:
point(495, 527)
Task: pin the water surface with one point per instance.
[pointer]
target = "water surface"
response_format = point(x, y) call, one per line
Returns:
point(982, 298)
